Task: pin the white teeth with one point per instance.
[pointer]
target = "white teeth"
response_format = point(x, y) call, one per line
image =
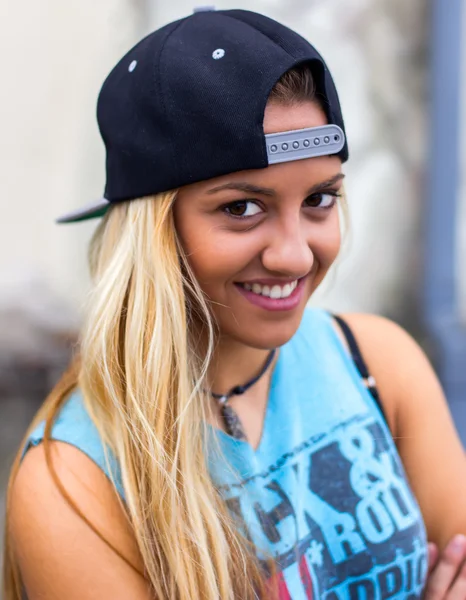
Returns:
point(274, 292)
point(286, 291)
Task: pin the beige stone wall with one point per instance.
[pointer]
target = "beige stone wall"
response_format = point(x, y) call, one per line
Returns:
point(51, 156)
point(55, 57)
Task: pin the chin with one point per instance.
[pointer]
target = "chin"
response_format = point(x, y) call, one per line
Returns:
point(266, 334)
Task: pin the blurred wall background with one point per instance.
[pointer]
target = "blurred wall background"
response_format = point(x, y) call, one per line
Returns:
point(52, 160)
point(461, 248)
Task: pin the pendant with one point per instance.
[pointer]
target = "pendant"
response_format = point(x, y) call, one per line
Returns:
point(232, 423)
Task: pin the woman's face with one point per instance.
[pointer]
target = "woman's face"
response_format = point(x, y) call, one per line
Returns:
point(260, 242)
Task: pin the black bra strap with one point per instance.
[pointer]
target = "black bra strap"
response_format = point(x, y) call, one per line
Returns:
point(358, 359)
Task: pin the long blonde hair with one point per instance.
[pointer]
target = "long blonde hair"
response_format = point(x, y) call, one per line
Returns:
point(140, 369)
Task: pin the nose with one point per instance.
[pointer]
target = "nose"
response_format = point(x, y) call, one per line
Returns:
point(288, 251)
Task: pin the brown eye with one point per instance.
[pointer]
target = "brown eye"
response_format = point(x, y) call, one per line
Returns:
point(321, 200)
point(237, 209)
point(242, 208)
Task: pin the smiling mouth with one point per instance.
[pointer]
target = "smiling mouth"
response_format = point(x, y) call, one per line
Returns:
point(276, 292)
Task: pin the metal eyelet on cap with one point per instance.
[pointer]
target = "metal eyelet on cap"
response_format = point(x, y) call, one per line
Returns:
point(219, 53)
point(132, 66)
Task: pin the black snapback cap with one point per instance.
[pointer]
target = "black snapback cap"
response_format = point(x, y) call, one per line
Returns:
point(187, 104)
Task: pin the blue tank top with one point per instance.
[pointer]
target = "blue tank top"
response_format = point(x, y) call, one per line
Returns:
point(325, 492)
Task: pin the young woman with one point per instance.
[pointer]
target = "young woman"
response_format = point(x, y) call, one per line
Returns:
point(214, 438)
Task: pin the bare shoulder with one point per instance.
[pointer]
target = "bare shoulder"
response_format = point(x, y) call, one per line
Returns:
point(59, 554)
point(420, 421)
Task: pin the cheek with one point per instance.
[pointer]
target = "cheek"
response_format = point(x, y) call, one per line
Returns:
point(333, 245)
point(196, 241)
point(217, 258)
point(326, 243)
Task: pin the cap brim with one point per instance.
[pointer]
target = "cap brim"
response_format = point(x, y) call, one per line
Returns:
point(92, 211)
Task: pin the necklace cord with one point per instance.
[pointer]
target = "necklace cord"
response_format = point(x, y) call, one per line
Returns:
point(238, 390)
point(231, 420)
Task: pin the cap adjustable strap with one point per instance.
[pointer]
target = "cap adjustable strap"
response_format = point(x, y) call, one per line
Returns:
point(304, 143)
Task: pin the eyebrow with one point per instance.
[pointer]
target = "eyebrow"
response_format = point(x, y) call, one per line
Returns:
point(249, 188)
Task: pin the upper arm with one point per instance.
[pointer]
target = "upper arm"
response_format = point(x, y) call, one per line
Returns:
point(420, 421)
point(59, 555)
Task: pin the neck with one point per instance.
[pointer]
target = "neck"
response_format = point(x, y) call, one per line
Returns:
point(234, 364)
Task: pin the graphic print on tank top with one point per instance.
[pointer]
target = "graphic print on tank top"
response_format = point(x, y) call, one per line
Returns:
point(326, 495)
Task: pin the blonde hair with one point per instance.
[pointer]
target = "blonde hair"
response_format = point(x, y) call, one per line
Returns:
point(140, 374)
point(140, 370)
